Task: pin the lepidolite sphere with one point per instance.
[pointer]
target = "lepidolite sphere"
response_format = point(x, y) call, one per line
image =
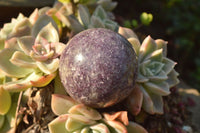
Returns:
point(98, 67)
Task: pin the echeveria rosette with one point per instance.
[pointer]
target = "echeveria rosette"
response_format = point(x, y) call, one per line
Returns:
point(156, 74)
point(78, 118)
point(32, 60)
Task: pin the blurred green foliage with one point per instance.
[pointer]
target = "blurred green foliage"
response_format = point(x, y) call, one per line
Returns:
point(178, 22)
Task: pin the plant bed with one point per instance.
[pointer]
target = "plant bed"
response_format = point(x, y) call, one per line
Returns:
point(72, 68)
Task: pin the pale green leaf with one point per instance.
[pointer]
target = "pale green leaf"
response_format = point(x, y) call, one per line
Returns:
point(48, 67)
point(135, 44)
point(22, 60)
point(83, 15)
point(5, 101)
point(75, 24)
point(135, 128)
point(158, 88)
point(96, 22)
point(161, 44)
point(41, 22)
point(49, 33)
point(169, 65)
point(73, 125)
point(58, 124)
point(85, 111)
point(26, 43)
point(100, 12)
point(10, 69)
point(60, 104)
point(147, 48)
point(172, 80)
point(101, 128)
point(157, 55)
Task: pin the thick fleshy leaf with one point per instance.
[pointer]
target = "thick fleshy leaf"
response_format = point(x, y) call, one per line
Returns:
point(2, 119)
point(169, 65)
point(5, 101)
point(85, 111)
point(48, 32)
point(36, 79)
point(134, 101)
point(158, 88)
point(127, 33)
point(34, 16)
point(96, 22)
point(75, 122)
point(43, 80)
point(161, 44)
point(101, 128)
point(41, 22)
point(22, 60)
point(26, 43)
point(157, 55)
point(100, 12)
point(135, 44)
point(57, 48)
point(73, 125)
point(147, 47)
point(117, 126)
point(141, 78)
point(161, 76)
point(9, 68)
point(157, 103)
point(12, 43)
point(85, 130)
point(108, 5)
point(83, 15)
point(74, 24)
point(155, 67)
point(143, 68)
point(121, 116)
point(147, 101)
point(109, 24)
point(49, 66)
point(135, 128)
point(60, 104)
point(58, 124)
point(172, 80)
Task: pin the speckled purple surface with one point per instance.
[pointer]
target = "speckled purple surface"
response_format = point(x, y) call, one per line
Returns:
point(98, 67)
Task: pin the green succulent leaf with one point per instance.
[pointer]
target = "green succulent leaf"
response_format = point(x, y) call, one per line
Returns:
point(159, 88)
point(83, 15)
point(169, 65)
point(161, 44)
point(100, 128)
point(100, 12)
point(85, 111)
point(172, 80)
point(2, 119)
point(58, 124)
point(60, 104)
point(9, 68)
point(147, 47)
point(75, 24)
point(135, 128)
point(49, 66)
point(48, 32)
point(96, 22)
point(5, 101)
point(26, 43)
point(22, 60)
point(41, 22)
point(108, 5)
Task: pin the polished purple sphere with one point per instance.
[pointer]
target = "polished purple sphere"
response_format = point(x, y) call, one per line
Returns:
point(98, 67)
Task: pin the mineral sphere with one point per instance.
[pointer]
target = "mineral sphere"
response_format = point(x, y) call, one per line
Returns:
point(98, 67)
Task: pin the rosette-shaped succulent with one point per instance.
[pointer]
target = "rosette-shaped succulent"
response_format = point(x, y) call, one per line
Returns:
point(78, 118)
point(156, 74)
point(32, 60)
point(98, 19)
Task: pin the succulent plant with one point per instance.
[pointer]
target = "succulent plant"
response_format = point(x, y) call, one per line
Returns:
point(33, 60)
point(156, 74)
point(78, 118)
point(98, 19)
